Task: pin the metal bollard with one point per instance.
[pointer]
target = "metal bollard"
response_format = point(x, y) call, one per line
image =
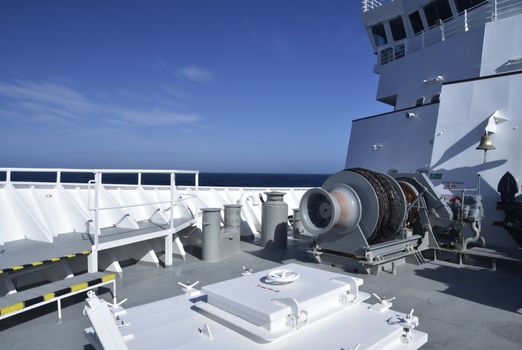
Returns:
point(274, 221)
point(211, 234)
point(232, 227)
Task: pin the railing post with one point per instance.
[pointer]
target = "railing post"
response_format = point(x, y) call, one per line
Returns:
point(170, 236)
point(466, 20)
point(58, 177)
point(139, 179)
point(495, 11)
point(442, 32)
point(196, 205)
point(8, 176)
point(93, 262)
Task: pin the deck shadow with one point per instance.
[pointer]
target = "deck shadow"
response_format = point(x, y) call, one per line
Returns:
point(498, 289)
point(294, 251)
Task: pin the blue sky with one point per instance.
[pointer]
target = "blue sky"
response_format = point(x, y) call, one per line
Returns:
point(225, 86)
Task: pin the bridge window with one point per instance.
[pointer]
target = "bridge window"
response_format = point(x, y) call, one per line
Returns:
point(379, 35)
point(419, 102)
point(397, 29)
point(416, 22)
point(435, 98)
point(437, 11)
point(467, 4)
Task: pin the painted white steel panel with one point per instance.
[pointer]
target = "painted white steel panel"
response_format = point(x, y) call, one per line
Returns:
point(463, 115)
point(41, 210)
point(502, 43)
point(393, 141)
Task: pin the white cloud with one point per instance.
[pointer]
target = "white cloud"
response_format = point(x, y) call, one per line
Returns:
point(51, 94)
point(50, 102)
point(195, 73)
point(58, 111)
point(155, 117)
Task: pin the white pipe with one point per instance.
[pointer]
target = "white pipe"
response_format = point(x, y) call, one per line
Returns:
point(94, 252)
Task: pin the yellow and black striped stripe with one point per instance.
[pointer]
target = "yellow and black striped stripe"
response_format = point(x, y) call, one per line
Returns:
point(44, 262)
point(11, 308)
point(16, 306)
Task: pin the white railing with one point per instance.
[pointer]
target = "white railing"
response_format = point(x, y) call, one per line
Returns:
point(506, 8)
point(474, 17)
point(368, 5)
point(97, 183)
point(96, 209)
point(59, 171)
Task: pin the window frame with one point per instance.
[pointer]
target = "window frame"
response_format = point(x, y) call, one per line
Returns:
point(420, 21)
point(472, 7)
point(400, 21)
point(374, 34)
point(434, 5)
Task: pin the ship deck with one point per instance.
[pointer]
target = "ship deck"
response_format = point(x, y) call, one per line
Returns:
point(460, 307)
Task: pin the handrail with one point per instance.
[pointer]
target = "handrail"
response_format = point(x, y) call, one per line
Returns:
point(473, 17)
point(60, 171)
point(367, 5)
point(95, 209)
point(89, 193)
point(105, 171)
point(97, 182)
point(144, 204)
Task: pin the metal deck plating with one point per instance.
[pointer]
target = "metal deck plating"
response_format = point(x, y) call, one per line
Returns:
point(461, 307)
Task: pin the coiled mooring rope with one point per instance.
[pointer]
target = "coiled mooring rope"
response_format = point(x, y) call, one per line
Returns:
point(390, 212)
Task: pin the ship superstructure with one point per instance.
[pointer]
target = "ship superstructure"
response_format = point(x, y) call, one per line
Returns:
point(452, 71)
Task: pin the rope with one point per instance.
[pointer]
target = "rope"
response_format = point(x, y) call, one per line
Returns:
point(390, 213)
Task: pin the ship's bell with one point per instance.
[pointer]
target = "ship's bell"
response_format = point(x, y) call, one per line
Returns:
point(486, 144)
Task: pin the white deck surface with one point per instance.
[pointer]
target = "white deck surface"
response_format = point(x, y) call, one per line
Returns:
point(250, 297)
point(171, 324)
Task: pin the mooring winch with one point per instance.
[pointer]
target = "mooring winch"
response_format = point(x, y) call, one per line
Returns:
point(355, 200)
point(376, 219)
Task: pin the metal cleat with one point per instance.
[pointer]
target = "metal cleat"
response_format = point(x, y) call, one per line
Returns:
point(409, 322)
point(205, 330)
point(247, 271)
point(315, 251)
point(351, 295)
point(189, 288)
point(298, 318)
point(346, 298)
point(118, 305)
point(383, 304)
